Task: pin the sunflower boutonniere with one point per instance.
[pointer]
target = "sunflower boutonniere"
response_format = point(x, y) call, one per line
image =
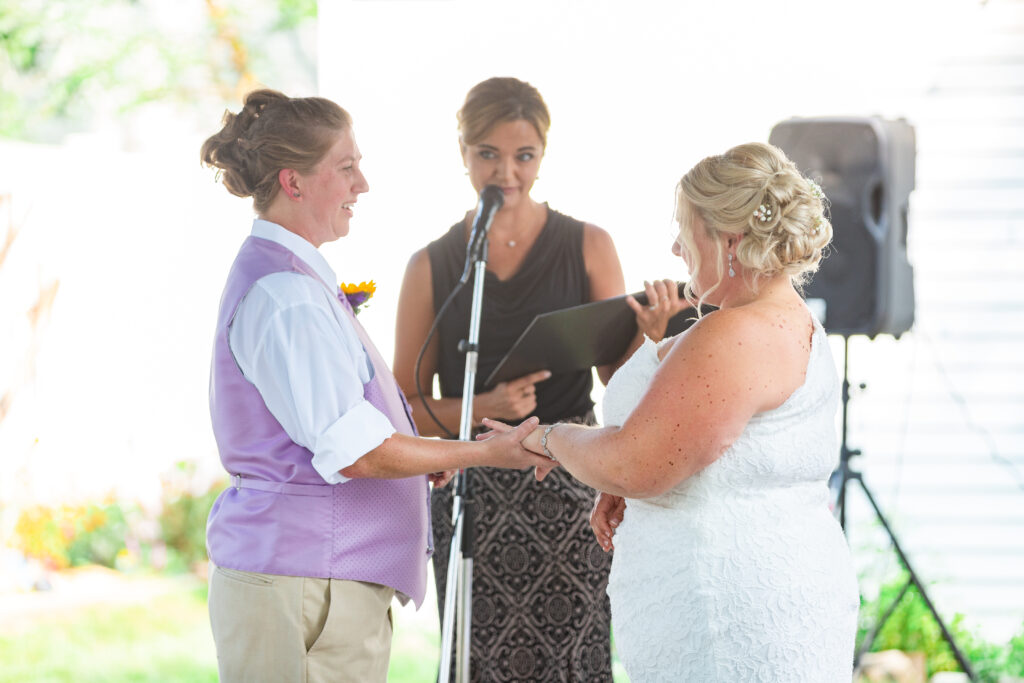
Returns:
point(358, 295)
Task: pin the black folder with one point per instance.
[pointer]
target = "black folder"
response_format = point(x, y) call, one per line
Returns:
point(578, 338)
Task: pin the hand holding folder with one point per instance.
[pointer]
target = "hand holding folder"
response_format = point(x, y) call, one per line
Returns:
point(577, 338)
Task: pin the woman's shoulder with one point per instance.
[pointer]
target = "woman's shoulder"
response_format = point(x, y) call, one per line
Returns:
point(418, 267)
point(745, 335)
point(740, 321)
point(597, 240)
point(758, 317)
point(563, 224)
point(556, 217)
point(765, 345)
point(593, 242)
point(443, 257)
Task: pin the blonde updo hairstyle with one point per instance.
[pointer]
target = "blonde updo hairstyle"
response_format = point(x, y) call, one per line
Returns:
point(726, 192)
point(270, 133)
point(498, 100)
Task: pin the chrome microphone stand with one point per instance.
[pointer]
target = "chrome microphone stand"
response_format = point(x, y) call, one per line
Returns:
point(459, 582)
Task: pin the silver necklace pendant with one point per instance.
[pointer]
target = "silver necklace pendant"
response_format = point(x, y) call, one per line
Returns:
point(511, 243)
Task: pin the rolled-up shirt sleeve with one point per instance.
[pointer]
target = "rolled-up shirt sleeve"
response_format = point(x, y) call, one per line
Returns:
point(358, 431)
point(310, 369)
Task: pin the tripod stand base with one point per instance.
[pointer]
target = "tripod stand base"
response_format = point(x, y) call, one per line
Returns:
point(869, 639)
point(839, 480)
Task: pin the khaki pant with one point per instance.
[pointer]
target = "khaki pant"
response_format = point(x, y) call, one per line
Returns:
point(289, 628)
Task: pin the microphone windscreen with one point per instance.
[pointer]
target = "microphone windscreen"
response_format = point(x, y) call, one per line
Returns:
point(492, 195)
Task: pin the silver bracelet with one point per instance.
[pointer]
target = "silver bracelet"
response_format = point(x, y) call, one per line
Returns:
point(544, 441)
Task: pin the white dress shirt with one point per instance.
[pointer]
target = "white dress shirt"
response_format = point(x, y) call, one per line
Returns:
point(294, 342)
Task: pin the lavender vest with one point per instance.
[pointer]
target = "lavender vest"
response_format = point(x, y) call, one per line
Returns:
point(279, 516)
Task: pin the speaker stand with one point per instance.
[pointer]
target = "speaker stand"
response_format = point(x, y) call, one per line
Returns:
point(847, 474)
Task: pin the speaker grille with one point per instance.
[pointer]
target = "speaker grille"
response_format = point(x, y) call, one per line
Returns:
point(865, 279)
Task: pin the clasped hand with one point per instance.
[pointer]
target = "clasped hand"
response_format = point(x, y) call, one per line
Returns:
point(530, 442)
point(609, 509)
point(504, 450)
point(606, 516)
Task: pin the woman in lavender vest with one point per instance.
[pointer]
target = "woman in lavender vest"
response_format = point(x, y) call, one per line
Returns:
point(327, 515)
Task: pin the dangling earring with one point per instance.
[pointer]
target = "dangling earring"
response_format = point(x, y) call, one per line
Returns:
point(732, 273)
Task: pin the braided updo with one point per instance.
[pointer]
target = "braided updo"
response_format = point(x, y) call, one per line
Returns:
point(755, 191)
point(270, 133)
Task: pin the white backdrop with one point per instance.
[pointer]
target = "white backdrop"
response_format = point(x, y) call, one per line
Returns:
point(141, 241)
point(638, 93)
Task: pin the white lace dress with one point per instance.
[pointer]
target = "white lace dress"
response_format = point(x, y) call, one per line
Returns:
point(739, 573)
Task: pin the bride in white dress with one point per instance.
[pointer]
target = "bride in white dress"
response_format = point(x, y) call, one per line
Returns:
point(713, 468)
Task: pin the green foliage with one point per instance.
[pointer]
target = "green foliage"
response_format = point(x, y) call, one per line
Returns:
point(987, 660)
point(102, 543)
point(1015, 654)
point(39, 535)
point(912, 628)
point(74, 535)
point(61, 60)
point(107, 533)
point(183, 514)
point(292, 13)
point(67, 64)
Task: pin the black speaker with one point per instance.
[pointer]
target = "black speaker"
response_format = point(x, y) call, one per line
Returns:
point(865, 166)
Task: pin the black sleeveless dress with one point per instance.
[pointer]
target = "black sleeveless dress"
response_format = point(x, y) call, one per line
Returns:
point(540, 611)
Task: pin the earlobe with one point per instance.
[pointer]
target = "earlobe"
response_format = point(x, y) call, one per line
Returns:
point(288, 181)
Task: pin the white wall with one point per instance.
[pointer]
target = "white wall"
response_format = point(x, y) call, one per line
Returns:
point(140, 244)
point(638, 93)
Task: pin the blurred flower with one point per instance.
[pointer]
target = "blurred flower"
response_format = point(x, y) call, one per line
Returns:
point(358, 295)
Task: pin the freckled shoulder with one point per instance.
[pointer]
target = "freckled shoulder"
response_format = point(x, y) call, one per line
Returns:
point(703, 394)
point(743, 354)
point(729, 330)
point(718, 374)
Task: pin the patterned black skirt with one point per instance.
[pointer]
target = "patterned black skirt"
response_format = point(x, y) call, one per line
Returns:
point(540, 610)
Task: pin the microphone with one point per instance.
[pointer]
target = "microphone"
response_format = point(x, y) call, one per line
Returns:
point(491, 200)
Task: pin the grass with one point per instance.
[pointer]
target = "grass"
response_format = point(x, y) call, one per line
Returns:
point(164, 639)
point(165, 636)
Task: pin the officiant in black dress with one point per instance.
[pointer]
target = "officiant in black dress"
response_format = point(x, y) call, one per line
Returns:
point(540, 611)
